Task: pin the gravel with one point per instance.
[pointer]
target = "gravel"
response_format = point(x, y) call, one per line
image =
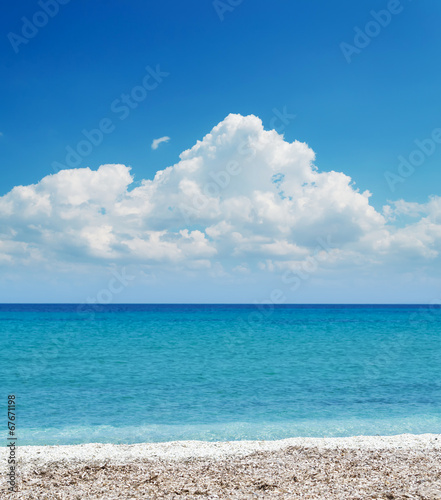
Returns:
point(364, 467)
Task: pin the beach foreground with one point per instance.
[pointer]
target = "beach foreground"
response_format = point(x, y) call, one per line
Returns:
point(396, 467)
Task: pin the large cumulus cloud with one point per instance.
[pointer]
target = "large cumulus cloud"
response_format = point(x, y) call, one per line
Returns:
point(241, 198)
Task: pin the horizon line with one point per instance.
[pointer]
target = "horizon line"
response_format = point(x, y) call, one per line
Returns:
point(255, 304)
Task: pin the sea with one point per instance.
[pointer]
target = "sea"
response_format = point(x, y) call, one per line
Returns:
point(83, 373)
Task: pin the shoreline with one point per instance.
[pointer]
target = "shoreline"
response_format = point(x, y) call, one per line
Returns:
point(215, 450)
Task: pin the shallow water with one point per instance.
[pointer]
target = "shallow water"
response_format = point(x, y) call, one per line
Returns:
point(126, 374)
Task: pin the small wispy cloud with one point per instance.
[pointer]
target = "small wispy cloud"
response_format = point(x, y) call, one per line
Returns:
point(1, 134)
point(157, 142)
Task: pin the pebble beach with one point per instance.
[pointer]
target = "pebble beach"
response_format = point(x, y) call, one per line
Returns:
point(393, 467)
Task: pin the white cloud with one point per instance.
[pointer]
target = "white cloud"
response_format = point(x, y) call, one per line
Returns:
point(157, 142)
point(240, 200)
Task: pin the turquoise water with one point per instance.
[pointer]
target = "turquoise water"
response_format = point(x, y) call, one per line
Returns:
point(127, 374)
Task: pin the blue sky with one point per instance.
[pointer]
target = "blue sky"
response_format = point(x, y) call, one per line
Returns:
point(358, 117)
